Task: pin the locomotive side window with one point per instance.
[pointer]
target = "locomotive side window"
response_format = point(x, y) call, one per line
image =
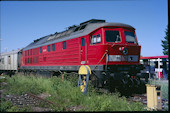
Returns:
point(95, 39)
point(25, 61)
point(53, 47)
point(40, 49)
point(112, 36)
point(30, 60)
point(36, 59)
point(31, 52)
point(49, 48)
point(64, 45)
point(82, 42)
point(33, 59)
point(130, 37)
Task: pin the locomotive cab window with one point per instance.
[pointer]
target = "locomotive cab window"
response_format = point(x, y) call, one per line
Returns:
point(130, 37)
point(64, 45)
point(98, 40)
point(95, 39)
point(112, 36)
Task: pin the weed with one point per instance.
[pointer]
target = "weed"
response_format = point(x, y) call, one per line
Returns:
point(164, 87)
point(66, 94)
point(5, 106)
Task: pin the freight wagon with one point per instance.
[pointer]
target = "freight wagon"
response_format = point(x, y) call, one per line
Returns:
point(10, 61)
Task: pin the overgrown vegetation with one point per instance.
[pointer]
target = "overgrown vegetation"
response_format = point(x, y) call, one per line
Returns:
point(164, 87)
point(66, 94)
point(7, 106)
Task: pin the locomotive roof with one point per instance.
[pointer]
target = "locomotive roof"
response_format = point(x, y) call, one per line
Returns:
point(73, 32)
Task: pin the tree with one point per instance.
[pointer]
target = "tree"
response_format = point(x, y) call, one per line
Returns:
point(165, 43)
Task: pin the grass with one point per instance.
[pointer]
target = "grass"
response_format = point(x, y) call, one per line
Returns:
point(66, 94)
point(164, 87)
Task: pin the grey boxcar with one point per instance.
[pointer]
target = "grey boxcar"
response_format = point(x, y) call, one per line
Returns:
point(10, 61)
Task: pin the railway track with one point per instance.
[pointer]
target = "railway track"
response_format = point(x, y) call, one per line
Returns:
point(29, 99)
point(138, 98)
point(38, 104)
point(143, 99)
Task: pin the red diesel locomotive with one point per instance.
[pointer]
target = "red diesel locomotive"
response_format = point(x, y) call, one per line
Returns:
point(111, 51)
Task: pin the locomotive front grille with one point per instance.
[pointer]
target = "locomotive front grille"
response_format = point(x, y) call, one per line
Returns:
point(124, 58)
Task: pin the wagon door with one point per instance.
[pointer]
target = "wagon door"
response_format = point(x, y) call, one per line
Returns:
point(83, 51)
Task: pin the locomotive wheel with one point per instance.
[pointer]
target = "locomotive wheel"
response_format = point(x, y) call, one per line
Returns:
point(126, 86)
point(131, 83)
point(94, 80)
point(142, 87)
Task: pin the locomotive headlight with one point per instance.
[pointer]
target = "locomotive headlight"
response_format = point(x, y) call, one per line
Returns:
point(125, 51)
point(121, 48)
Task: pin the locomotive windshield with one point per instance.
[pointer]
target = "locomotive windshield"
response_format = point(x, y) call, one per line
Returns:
point(130, 37)
point(112, 36)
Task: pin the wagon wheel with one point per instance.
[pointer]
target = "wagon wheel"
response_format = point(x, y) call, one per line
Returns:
point(94, 80)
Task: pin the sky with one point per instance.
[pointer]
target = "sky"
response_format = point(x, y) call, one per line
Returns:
point(21, 22)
